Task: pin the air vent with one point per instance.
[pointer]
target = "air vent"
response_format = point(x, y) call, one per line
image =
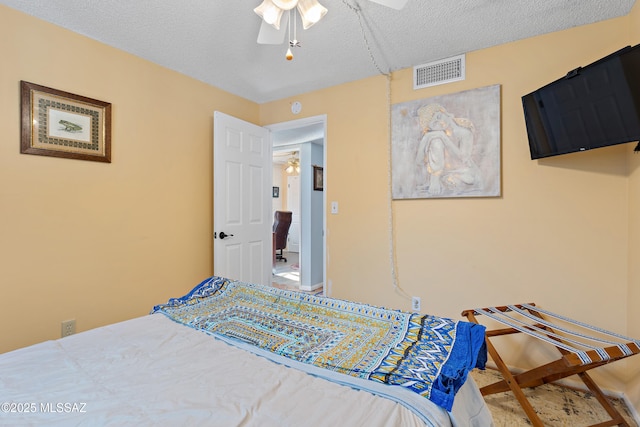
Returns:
point(439, 72)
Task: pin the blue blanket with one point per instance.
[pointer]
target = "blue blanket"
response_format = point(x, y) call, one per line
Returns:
point(428, 355)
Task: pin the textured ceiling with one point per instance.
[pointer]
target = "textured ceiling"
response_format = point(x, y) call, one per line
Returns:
point(215, 40)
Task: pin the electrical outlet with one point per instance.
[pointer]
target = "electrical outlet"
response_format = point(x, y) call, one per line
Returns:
point(68, 328)
point(415, 304)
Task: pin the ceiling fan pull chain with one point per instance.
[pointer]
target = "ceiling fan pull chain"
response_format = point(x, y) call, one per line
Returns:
point(293, 42)
point(295, 27)
point(289, 54)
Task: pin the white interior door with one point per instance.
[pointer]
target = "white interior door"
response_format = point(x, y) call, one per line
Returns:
point(293, 205)
point(242, 245)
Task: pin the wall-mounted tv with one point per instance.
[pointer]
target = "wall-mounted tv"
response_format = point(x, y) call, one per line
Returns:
point(594, 106)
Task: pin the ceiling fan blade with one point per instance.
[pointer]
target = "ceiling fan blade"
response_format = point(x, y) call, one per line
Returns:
point(394, 4)
point(269, 35)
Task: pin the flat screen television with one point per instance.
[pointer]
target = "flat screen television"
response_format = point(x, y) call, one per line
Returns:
point(594, 106)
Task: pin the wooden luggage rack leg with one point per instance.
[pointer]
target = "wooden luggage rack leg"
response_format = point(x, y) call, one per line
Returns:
point(568, 364)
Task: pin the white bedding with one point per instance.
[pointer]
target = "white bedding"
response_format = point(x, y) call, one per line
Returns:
point(151, 371)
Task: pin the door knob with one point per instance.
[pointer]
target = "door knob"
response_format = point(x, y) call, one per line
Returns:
point(223, 235)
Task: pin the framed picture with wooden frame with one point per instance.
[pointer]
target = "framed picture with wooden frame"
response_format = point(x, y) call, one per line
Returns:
point(62, 124)
point(318, 178)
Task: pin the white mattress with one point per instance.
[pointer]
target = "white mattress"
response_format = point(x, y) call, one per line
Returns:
point(151, 371)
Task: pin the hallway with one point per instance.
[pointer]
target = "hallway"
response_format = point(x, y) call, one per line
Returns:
point(286, 275)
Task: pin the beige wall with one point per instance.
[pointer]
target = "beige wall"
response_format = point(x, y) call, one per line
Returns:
point(633, 296)
point(558, 236)
point(100, 242)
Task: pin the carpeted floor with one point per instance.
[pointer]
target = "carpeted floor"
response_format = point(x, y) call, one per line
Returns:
point(556, 406)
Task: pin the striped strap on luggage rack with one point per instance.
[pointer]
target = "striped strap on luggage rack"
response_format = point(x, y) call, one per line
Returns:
point(578, 343)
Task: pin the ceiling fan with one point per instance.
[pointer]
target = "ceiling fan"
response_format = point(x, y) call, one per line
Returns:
point(275, 21)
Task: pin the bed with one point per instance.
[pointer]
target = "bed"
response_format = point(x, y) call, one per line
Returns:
point(230, 353)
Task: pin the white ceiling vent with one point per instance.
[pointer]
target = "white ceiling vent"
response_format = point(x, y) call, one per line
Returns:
point(439, 72)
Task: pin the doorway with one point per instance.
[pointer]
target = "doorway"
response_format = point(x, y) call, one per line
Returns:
point(305, 140)
point(286, 184)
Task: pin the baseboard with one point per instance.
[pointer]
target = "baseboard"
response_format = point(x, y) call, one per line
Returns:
point(579, 385)
point(311, 288)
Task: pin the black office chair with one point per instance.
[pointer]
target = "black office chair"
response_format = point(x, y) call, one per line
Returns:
point(281, 224)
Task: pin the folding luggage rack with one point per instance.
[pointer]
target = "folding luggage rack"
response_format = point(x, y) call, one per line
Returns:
point(582, 347)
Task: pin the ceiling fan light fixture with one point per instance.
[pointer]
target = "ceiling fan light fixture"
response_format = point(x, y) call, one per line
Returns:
point(310, 12)
point(270, 12)
point(293, 164)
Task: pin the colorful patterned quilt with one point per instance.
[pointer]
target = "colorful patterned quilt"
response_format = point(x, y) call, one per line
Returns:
point(429, 355)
